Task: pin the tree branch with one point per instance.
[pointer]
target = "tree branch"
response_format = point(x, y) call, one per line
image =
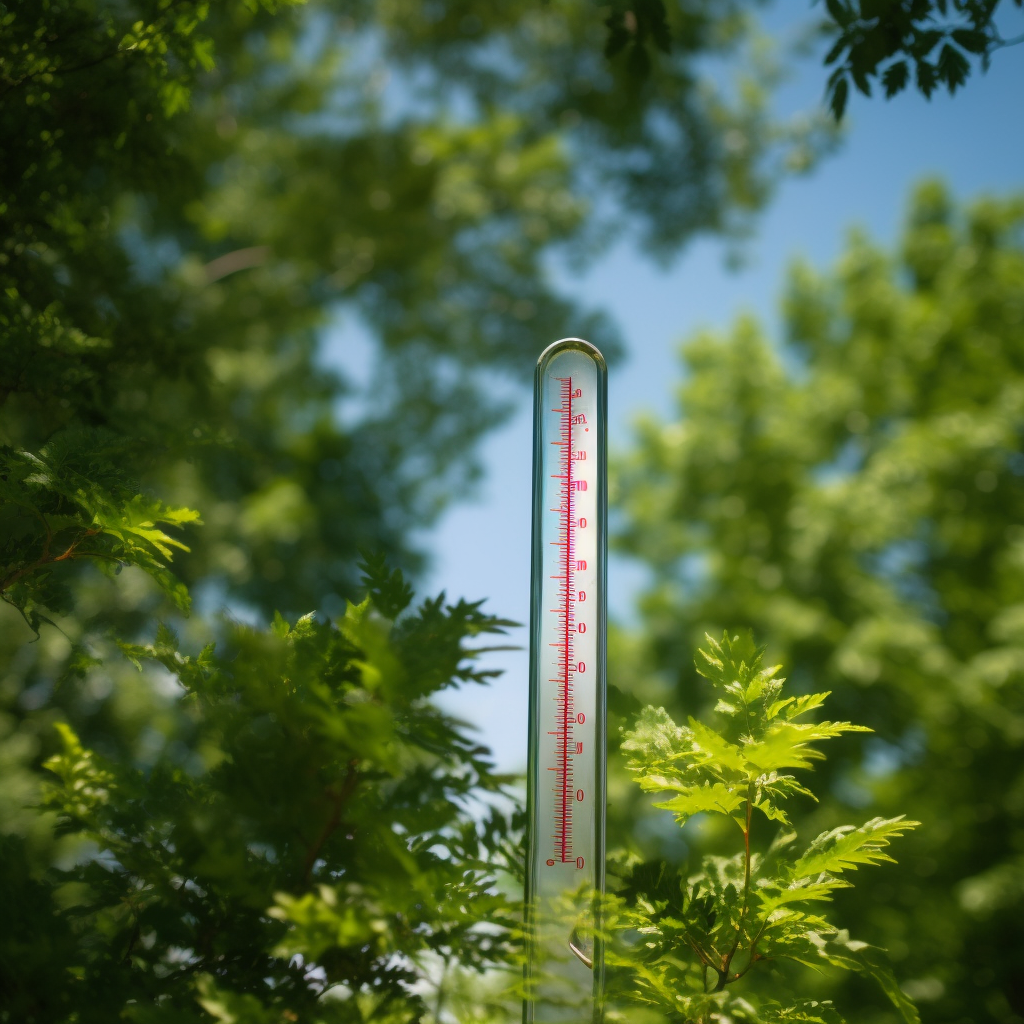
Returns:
point(723, 974)
point(44, 559)
point(338, 800)
point(998, 42)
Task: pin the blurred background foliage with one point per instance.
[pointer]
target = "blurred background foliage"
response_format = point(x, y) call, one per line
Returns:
point(180, 228)
point(191, 195)
point(856, 496)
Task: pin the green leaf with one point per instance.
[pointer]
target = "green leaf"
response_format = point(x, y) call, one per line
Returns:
point(657, 744)
point(229, 1007)
point(861, 79)
point(797, 706)
point(691, 800)
point(715, 753)
point(895, 78)
point(838, 94)
point(771, 789)
point(841, 13)
point(841, 44)
point(138, 520)
point(802, 890)
point(852, 955)
point(924, 41)
point(953, 67)
point(972, 40)
point(810, 1011)
point(734, 663)
point(388, 589)
point(788, 744)
point(926, 77)
point(846, 847)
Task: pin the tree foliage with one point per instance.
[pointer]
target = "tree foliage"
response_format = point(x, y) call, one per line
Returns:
point(73, 501)
point(275, 823)
point(855, 495)
point(297, 845)
point(930, 43)
point(697, 935)
point(277, 827)
point(192, 194)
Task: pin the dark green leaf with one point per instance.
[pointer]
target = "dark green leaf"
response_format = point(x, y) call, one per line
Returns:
point(926, 77)
point(971, 40)
point(842, 13)
point(953, 67)
point(837, 98)
point(895, 78)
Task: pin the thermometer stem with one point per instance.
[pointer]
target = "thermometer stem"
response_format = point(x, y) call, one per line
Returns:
point(566, 765)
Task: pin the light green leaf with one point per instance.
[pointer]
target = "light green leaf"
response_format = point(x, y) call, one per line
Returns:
point(772, 811)
point(810, 1011)
point(714, 752)
point(809, 701)
point(655, 737)
point(802, 890)
point(691, 800)
point(137, 521)
point(845, 847)
point(788, 744)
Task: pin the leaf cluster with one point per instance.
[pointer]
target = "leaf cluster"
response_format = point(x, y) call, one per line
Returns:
point(301, 846)
point(634, 26)
point(694, 936)
point(929, 42)
point(194, 194)
point(72, 501)
point(747, 765)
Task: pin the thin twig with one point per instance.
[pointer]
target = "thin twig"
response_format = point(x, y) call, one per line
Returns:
point(338, 800)
point(998, 41)
point(723, 976)
point(70, 552)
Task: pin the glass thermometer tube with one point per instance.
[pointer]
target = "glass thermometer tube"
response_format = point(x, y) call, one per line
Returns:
point(567, 759)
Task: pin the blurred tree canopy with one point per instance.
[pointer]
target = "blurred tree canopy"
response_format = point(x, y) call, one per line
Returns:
point(193, 194)
point(275, 824)
point(856, 496)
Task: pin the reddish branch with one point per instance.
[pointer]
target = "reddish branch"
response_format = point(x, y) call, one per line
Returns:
point(723, 971)
point(337, 798)
point(45, 559)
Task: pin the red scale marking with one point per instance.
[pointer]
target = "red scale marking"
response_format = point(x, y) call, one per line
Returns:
point(566, 614)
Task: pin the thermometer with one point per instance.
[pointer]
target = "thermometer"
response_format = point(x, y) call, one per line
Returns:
point(567, 759)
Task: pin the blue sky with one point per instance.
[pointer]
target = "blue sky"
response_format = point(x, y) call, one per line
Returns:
point(973, 141)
